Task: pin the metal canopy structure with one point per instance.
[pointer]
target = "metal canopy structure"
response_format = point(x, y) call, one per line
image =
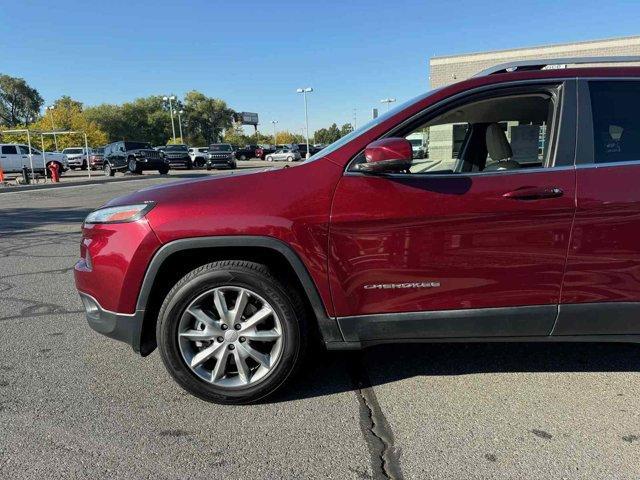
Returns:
point(22, 131)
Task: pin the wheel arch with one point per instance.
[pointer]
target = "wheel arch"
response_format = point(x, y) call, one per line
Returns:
point(177, 258)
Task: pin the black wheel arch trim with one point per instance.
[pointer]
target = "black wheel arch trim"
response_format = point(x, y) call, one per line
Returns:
point(327, 326)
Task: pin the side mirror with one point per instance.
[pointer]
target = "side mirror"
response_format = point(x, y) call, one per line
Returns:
point(387, 155)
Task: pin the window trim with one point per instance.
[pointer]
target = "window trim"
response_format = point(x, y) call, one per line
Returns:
point(563, 138)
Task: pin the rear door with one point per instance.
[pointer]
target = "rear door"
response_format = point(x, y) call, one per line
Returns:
point(601, 293)
point(449, 249)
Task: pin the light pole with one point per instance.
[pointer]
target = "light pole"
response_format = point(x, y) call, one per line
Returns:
point(304, 92)
point(274, 132)
point(173, 127)
point(355, 119)
point(53, 127)
point(180, 112)
point(388, 101)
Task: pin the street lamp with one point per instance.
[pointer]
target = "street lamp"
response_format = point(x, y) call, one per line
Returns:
point(274, 132)
point(388, 101)
point(173, 127)
point(53, 127)
point(304, 92)
point(180, 112)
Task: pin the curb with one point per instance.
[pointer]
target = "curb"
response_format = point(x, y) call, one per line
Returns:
point(103, 180)
point(26, 188)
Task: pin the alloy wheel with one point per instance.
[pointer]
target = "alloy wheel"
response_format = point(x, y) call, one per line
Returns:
point(230, 336)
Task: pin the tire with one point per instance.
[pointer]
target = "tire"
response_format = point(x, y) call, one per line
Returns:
point(269, 158)
point(163, 170)
point(133, 166)
point(200, 162)
point(287, 319)
point(108, 171)
point(289, 159)
point(243, 157)
point(189, 165)
point(84, 165)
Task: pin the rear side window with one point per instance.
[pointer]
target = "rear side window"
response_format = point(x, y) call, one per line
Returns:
point(615, 108)
point(9, 150)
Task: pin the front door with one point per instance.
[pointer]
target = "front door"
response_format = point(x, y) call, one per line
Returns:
point(10, 158)
point(472, 240)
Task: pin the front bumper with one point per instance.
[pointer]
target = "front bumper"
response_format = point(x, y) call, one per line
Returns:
point(126, 328)
point(179, 161)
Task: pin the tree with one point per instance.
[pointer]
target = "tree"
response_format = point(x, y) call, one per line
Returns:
point(68, 115)
point(346, 129)
point(205, 118)
point(19, 103)
point(289, 137)
point(235, 136)
point(327, 135)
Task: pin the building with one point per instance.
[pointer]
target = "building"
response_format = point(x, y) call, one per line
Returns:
point(453, 68)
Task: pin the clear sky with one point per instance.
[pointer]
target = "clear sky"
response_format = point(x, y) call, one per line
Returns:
point(254, 54)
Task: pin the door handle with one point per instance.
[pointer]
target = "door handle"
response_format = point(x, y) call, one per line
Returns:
point(534, 193)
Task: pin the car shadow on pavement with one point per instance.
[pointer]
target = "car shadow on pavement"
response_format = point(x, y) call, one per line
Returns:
point(328, 373)
point(20, 219)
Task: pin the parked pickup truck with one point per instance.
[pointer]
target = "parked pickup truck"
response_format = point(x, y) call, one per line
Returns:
point(13, 156)
point(247, 152)
point(77, 157)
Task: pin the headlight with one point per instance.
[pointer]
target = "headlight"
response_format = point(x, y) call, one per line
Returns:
point(121, 214)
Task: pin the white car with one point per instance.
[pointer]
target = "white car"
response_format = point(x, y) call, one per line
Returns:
point(284, 154)
point(77, 157)
point(14, 156)
point(198, 156)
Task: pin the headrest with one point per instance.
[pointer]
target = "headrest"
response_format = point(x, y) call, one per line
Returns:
point(497, 145)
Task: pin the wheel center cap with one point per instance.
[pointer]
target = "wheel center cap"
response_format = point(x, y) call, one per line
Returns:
point(230, 336)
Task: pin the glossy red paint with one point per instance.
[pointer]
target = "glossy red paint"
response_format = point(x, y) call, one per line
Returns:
point(485, 250)
point(291, 204)
point(604, 258)
point(388, 149)
point(120, 254)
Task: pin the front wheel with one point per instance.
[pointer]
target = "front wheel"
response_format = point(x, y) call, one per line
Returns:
point(163, 170)
point(108, 171)
point(289, 159)
point(269, 158)
point(133, 166)
point(230, 332)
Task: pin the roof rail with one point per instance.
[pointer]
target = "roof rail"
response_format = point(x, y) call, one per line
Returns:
point(539, 64)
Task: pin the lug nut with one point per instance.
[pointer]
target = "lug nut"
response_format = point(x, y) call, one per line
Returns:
point(232, 346)
point(242, 339)
point(220, 339)
point(224, 326)
point(237, 326)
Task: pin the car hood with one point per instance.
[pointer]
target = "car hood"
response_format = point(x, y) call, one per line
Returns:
point(181, 190)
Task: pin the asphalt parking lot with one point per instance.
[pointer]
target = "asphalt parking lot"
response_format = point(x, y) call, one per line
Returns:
point(74, 404)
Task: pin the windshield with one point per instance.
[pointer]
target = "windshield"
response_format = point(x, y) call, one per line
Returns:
point(222, 147)
point(98, 151)
point(176, 148)
point(136, 145)
point(368, 126)
point(73, 150)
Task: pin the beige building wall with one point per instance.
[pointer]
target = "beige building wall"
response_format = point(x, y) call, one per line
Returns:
point(451, 69)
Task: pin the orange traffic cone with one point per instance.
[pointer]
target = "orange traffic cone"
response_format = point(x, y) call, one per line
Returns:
point(1, 175)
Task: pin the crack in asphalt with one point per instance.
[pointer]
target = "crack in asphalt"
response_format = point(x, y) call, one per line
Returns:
point(385, 456)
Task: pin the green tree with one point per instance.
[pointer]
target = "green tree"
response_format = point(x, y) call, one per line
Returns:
point(19, 103)
point(205, 118)
point(235, 136)
point(327, 135)
point(346, 129)
point(288, 137)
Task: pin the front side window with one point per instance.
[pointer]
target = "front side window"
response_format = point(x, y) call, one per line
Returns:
point(490, 135)
point(616, 121)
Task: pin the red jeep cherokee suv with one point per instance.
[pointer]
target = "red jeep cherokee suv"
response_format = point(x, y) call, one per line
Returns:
point(502, 208)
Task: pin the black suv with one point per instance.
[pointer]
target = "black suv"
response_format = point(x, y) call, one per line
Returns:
point(221, 155)
point(247, 152)
point(178, 156)
point(133, 156)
